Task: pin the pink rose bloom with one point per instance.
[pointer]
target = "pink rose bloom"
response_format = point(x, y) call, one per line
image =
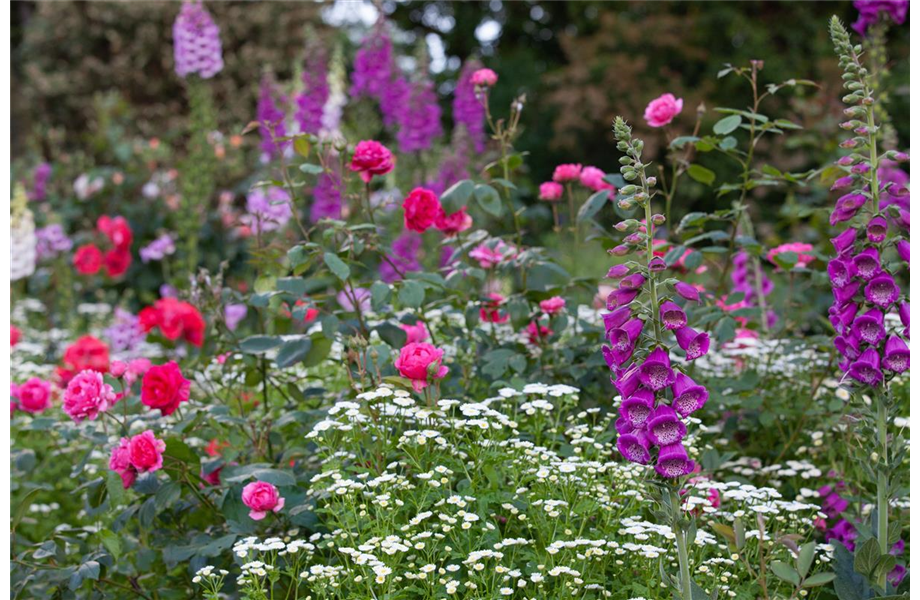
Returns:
point(415, 333)
point(34, 395)
point(212, 478)
point(663, 109)
point(490, 257)
point(422, 208)
point(798, 247)
point(490, 312)
point(550, 191)
point(593, 179)
point(164, 387)
point(416, 361)
point(537, 333)
point(137, 368)
point(13, 408)
point(87, 395)
point(120, 462)
point(453, 224)
point(484, 78)
point(371, 158)
point(566, 173)
point(146, 452)
point(553, 305)
point(261, 497)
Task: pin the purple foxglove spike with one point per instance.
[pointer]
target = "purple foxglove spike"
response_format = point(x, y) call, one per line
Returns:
point(851, 202)
point(623, 426)
point(904, 251)
point(620, 351)
point(846, 348)
point(196, 42)
point(672, 316)
point(846, 161)
point(633, 282)
point(840, 215)
point(877, 229)
point(861, 168)
point(656, 373)
point(623, 338)
point(657, 264)
point(870, 327)
point(843, 182)
point(845, 316)
point(843, 243)
point(637, 408)
point(627, 381)
point(687, 291)
point(615, 319)
point(882, 290)
point(865, 368)
point(688, 395)
point(618, 298)
point(665, 427)
point(904, 313)
point(897, 355)
point(694, 343)
point(617, 272)
point(844, 294)
point(634, 447)
point(673, 462)
point(610, 357)
point(867, 263)
point(840, 271)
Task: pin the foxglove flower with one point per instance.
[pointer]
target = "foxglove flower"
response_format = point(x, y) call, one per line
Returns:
point(672, 316)
point(694, 343)
point(196, 42)
point(665, 426)
point(420, 119)
point(897, 355)
point(270, 115)
point(688, 395)
point(469, 112)
point(313, 96)
point(673, 461)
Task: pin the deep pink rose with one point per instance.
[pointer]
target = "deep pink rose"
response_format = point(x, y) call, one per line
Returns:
point(484, 78)
point(489, 257)
point(536, 333)
point(552, 305)
point(550, 191)
point(593, 179)
point(120, 462)
point(34, 395)
point(490, 311)
point(371, 158)
point(419, 360)
point(164, 387)
point(145, 452)
point(87, 395)
point(415, 333)
point(798, 247)
point(454, 223)
point(663, 109)
point(261, 497)
point(566, 173)
point(422, 208)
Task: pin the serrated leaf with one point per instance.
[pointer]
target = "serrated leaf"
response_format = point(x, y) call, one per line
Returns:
point(411, 294)
point(337, 266)
point(866, 557)
point(701, 174)
point(311, 169)
point(302, 146)
point(380, 295)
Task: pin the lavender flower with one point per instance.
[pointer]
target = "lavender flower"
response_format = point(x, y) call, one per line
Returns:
point(233, 314)
point(404, 256)
point(327, 198)
point(269, 209)
point(125, 333)
point(270, 115)
point(40, 178)
point(196, 42)
point(872, 11)
point(158, 249)
point(420, 121)
point(51, 241)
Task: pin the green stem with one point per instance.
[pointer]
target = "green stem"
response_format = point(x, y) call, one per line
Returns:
point(873, 162)
point(882, 472)
point(683, 557)
point(649, 255)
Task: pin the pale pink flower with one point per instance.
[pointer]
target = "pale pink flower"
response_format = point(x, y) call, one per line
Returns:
point(593, 179)
point(799, 247)
point(87, 395)
point(552, 306)
point(261, 497)
point(550, 191)
point(567, 172)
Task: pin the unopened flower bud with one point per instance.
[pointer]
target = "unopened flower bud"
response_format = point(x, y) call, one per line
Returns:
point(625, 204)
point(652, 181)
point(658, 219)
point(621, 250)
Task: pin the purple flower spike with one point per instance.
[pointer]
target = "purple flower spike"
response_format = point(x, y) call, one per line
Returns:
point(842, 183)
point(870, 327)
point(867, 263)
point(904, 251)
point(882, 290)
point(621, 297)
point(633, 282)
point(694, 343)
point(665, 427)
point(617, 272)
point(846, 348)
point(897, 355)
point(637, 408)
point(196, 42)
point(851, 202)
point(687, 291)
point(865, 368)
point(904, 313)
point(688, 395)
point(840, 271)
point(656, 373)
point(843, 243)
point(844, 294)
point(877, 229)
point(622, 341)
point(627, 381)
point(672, 316)
point(673, 461)
point(845, 316)
point(657, 265)
point(615, 319)
point(634, 447)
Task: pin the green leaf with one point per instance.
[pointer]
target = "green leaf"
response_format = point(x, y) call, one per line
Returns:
point(786, 260)
point(785, 572)
point(88, 570)
point(488, 199)
point(411, 294)
point(311, 169)
point(380, 295)
point(319, 350)
point(293, 351)
point(302, 146)
point(394, 336)
point(819, 579)
point(112, 542)
point(292, 285)
point(457, 196)
point(866, 557)
point(726, 125)
point(725, 330)
point(701, 174)
point(681, 141)
point(593, 205)
point(805, 558)
point(258, 344)
point(337, 266)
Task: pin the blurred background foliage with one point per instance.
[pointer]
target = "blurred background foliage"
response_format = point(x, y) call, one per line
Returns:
point(80, 68)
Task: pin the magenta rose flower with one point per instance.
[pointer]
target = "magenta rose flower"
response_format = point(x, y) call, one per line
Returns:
point(415, 333)
point(34, 395)
point(454, 223)
point(120, 462)
point(593, 179)
point(371, 158)
point(663, 109)
point(422, 208)
point(550, 191)
point(484, 78)
point(145, 452)
point(799, 248)
point(261, 498)
point(164, 387)
point(87, 395)
point(567, 172)
point(420, 362)
point(553, 305)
